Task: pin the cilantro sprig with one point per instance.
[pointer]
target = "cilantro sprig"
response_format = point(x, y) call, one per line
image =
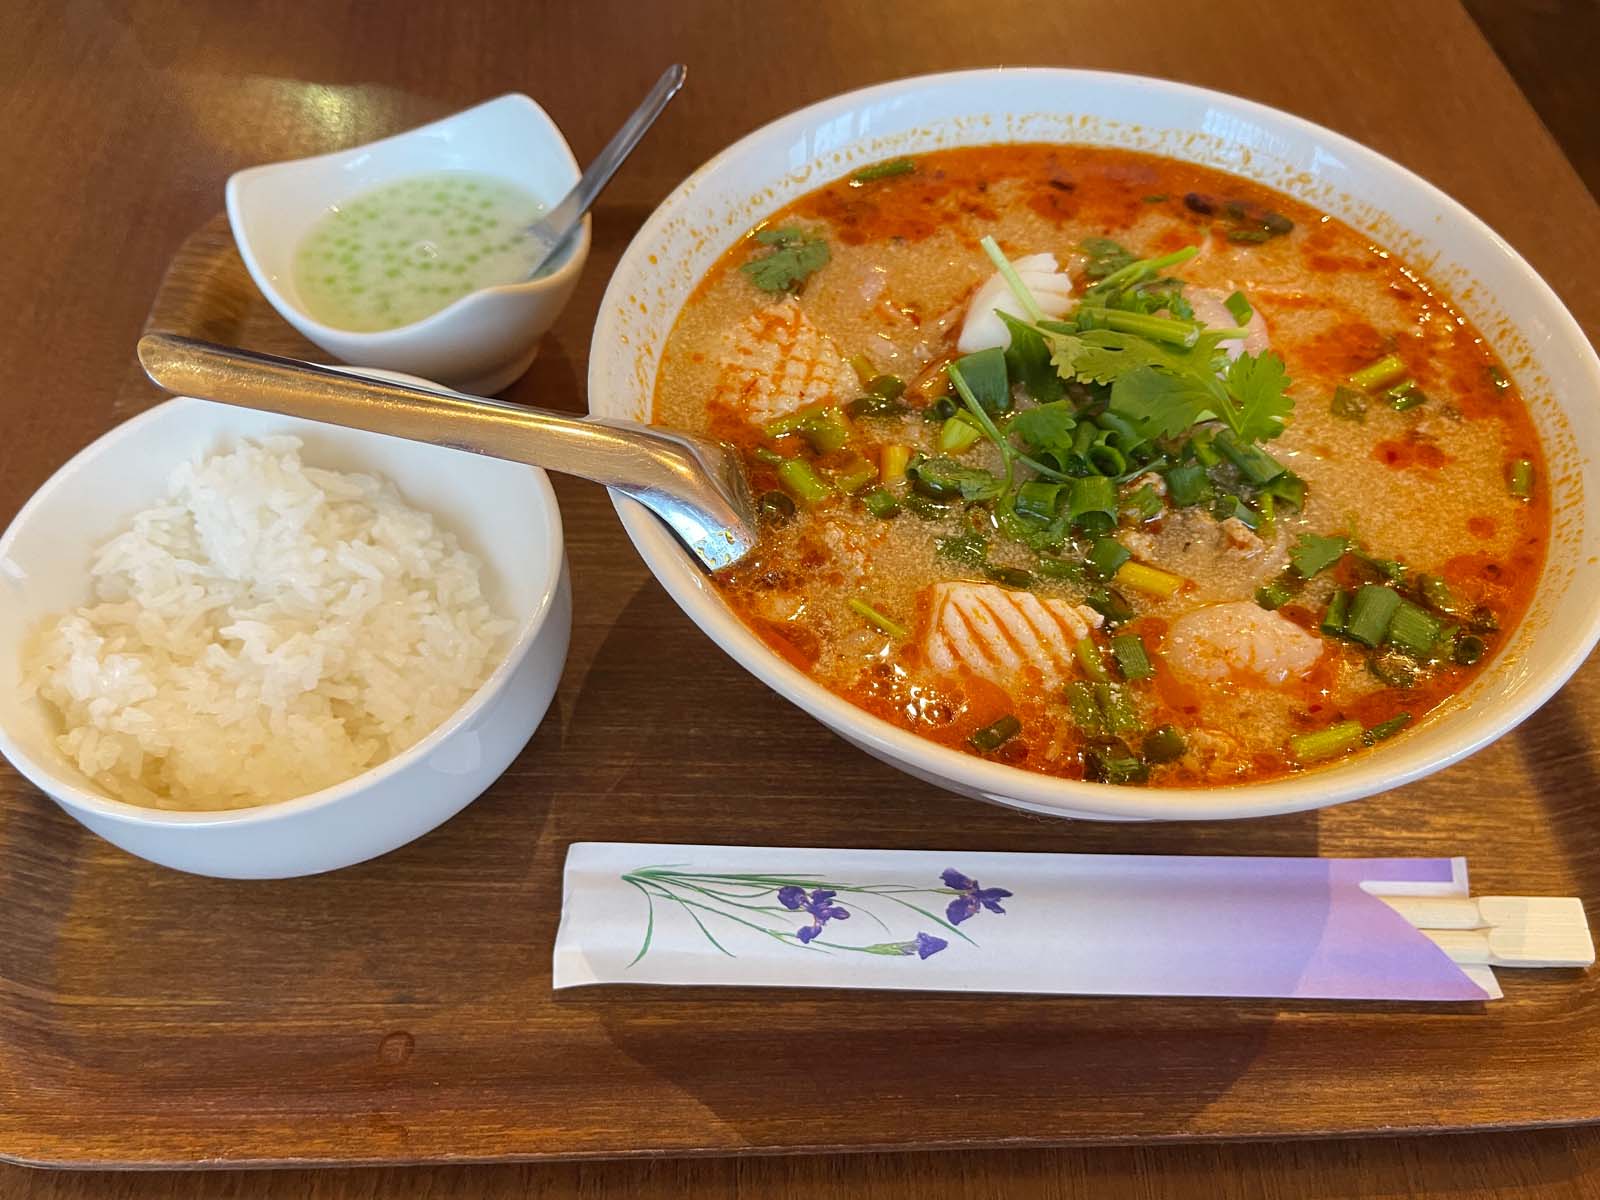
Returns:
point(795, 257)
point(1163, 371)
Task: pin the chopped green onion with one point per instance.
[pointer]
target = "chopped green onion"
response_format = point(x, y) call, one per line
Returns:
point(959, 433)
point(1106, 556)
point(876, 619)
point(1438, 595)
point(992, 737)
point(1349, 404)
point(1370, 614)
point(1413, 630)
point(941, 409)
point(776, 508)
point(1152, 581)
point(1239, 308)
point(823, 427)
point(969, 549)
point(1094, 666)
point(1267, 528)
point(1273, 595)
point(884, 170)
point(1205, 452)
point(1393, 669)
point(1289, 488)
point(1132, 661)
point(874, 406)
point(1113, 762)
point(1388, 369)
point(1386, 729)
point(862, 366)
point(1520, 479)
point(1143, 504)
point(1010, 576)
point(1085, 710)
point(881, 503)
point(771, 457)
point(1092, 494)
point(895, 459)
point(1254, 463)
point(803, 483)
point(889, 387)
point(1038, 500)
point(1187, 484)
point(1406, 395)
point(1111, 604)
point(1469, 649)
point(1165, 744)
point(1338, 614)
point(1326, 743)
point(1117, 705)
point(855, 475)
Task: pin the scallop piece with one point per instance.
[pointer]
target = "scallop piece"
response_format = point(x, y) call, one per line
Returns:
point(776, 361)
point(1240, 640)
point(994, 631)
point(1052, 292)
point(1211, 310)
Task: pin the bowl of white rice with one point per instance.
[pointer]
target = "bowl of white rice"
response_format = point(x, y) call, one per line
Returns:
point(251, 646)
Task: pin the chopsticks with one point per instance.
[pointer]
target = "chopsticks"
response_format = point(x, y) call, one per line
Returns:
point(1502, 931)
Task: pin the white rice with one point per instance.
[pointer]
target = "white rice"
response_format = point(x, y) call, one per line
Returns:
point(271, 629)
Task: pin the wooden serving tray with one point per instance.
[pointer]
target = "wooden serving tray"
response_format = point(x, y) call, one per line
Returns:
point(401, 1011)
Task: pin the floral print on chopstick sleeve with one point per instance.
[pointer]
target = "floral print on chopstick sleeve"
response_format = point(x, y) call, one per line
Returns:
point(727, 906)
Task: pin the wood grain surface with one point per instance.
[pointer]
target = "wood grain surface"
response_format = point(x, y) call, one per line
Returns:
point(400, 1010)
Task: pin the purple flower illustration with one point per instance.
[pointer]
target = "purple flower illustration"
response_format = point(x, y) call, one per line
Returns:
point(925, 946)
point(819, 904)
point(972, 897)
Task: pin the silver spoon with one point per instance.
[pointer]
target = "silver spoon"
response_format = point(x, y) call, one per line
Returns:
point(695, 485)
point(550, 232)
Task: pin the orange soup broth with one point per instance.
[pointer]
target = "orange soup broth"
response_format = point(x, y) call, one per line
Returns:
point(1426, 486)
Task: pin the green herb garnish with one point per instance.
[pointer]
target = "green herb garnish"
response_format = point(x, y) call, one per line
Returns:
point(795, 257)
point(887, 169)
point(1313, 554)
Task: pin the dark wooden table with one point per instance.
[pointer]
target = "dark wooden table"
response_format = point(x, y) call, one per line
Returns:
point(122, 118)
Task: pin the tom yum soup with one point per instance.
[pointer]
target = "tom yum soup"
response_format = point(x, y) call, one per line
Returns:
point(1110, 466)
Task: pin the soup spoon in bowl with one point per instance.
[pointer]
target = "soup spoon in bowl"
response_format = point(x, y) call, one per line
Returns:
point(697, 486)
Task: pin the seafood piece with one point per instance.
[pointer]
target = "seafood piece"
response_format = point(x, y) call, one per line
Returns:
point(777, 361)
point(1051, 288)
point(1211, 310)
point(995, 632)
point(1223, 641)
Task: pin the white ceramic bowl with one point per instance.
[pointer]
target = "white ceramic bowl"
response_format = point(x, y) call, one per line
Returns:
point(483, 341)
point(503, 512)
point(1551, 359)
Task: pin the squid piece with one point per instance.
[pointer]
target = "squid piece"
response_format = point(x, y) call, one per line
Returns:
point(1211, 311)
point(1052, 291)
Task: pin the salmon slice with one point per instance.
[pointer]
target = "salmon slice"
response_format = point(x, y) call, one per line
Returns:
point(995, 632)
point(777, 361)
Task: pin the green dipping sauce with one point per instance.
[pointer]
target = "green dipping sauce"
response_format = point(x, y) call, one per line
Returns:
point(407, 249)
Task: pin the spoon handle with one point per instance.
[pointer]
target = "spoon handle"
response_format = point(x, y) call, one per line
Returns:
point(552, 229)
point(696, 486)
